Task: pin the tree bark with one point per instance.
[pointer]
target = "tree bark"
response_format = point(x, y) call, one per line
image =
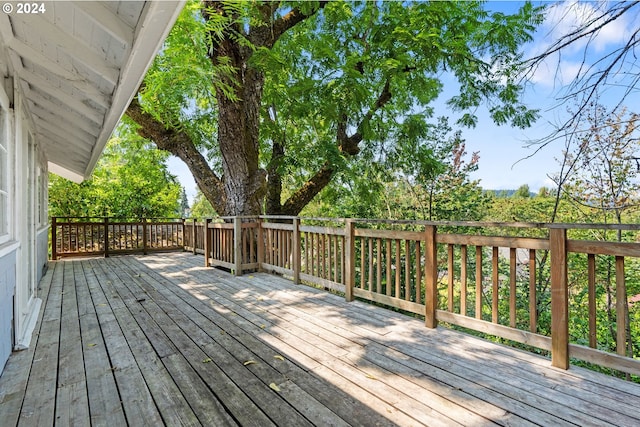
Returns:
point(180, 145)
point(244, 182)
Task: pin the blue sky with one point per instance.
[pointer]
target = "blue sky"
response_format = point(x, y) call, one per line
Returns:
point(505, 161)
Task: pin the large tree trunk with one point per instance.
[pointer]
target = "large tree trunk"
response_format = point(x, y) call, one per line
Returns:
point(238, 128)
point(242, 188)
point(245, 183)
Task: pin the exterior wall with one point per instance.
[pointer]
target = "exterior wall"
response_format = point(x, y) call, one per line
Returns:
point(24, 240)
point(42, 253)
point(7, 289)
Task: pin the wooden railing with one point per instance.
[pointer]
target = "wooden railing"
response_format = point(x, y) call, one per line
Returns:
point(101, 236)
point(521, 282)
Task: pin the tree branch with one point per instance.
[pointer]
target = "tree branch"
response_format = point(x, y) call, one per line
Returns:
point(181, 145)
point(287, 21)
point(309, 190)
point(346, 144)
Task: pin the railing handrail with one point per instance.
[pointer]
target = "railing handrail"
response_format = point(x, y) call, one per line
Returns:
point(470, 224)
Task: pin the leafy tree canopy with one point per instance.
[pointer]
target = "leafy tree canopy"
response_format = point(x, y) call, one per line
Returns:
point(267, 102)
point(131, 180)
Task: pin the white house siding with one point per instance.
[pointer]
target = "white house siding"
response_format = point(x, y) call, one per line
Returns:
point(24, 248)
point(7, 287)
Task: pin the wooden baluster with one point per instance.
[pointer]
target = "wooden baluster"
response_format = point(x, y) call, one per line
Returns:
point(378, 265)
point(431, 277)
point(370, 263)
point(349, 272)
point(450, 277)
point(207, 242)
point(296, 250)
point(336, 276)
point(325, 262)
point(388, 286)
point(106, 237)
point(54, 238)
point(407, 271)
point(479, 282)
point(398, 269)
point(418, 274)
point(559, 299)
point(260, 254)
point(144, 236)
point(512, 287)
point(362, 263)
point(495, 281)
point(463, 280)
point(237, 250)
point(591, 267)
point(342, 261)
point(621, 308)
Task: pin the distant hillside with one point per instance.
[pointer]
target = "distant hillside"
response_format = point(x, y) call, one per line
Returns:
point(505, 193)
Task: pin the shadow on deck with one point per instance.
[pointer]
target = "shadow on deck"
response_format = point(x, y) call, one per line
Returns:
point(161, 340)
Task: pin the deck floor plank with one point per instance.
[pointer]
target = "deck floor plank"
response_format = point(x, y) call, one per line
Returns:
point(104, 398)
point(223, 331)
point(14, 379)
point(72, 401)
point(137, 328)
point(137, 401)
point(38, 406)
point(161, 340)
point(232, 357)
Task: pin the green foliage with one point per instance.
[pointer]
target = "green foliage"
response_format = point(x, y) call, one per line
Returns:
point(202, 208)
point(131, 180)
point(370, 68)
point(428, 178)
point(522, 192)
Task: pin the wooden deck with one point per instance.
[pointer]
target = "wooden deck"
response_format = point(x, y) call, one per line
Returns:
point(161, 340)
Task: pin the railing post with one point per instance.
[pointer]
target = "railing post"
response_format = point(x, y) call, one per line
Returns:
point(430, 277)
point(106, 237)
point(54, 238)
point(559, 299)
point(296, 250)
point(260, 251)
point(207, 242)
point(193, 236)
point(237, 245)
point(144, 236)
point(349, 259)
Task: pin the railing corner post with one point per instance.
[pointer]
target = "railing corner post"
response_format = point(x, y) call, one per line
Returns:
point(54, 238)
point(431, 277)
point(207, 242)
point(296, 250)
point(349, 259)
point(559, 298)
point(106, 237)
point(237, 245)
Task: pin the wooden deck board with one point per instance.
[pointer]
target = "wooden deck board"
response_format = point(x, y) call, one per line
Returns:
point(161, 340)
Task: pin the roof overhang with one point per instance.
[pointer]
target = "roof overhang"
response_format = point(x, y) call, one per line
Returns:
point(77, 65)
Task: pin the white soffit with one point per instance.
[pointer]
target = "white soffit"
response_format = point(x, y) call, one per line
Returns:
point(77, 66)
